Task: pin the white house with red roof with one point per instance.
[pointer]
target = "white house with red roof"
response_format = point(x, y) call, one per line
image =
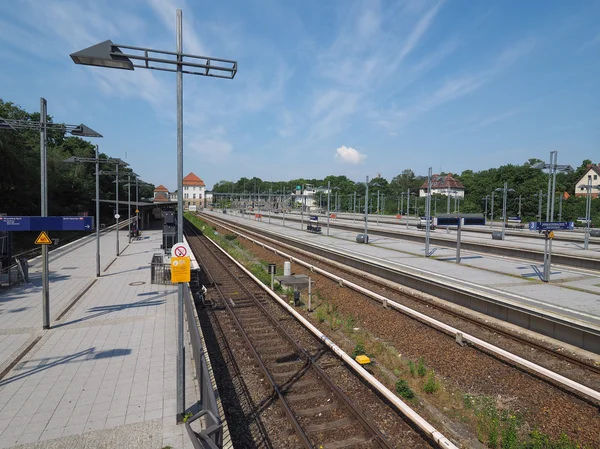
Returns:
point(443, 185)
point(593, 175)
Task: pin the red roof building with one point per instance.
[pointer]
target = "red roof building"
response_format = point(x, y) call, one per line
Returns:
point(161, 193)
point(443, 185)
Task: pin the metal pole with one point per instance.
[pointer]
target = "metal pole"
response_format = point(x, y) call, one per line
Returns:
point(401, 203)
point(540, 206)
point(378, 207)
point(427, 213)
point(398, 205)
point(448, 196)
point(117, 206)
point(328, 199)
point(129, 206)
point(407, 207)
point(44, 212)
point(505, 193)
point(545, 276)
point(486, 199)
point(519, 206)
point(181, 349)
point(560, 199)
point(367, 210)
point(309, 294)
point(587, 213)
point(97, 212)
point(137, 205)
point(354, 212)
point(270, 209)
point(549, 187)
point(492, 212)
point(554, 167)
point(459, 227)
point(302, 204)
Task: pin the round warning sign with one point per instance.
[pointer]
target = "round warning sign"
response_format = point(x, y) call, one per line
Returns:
point(117, 216)
point(181, 250)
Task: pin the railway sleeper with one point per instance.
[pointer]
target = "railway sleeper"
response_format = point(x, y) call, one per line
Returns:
point(292, 397)
point(278, 355)
point(329, 425)
point(330, 406)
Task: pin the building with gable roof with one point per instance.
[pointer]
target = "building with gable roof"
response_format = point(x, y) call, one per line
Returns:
point(443, 185)
point(161, 194)
point(593, 174)
point(194, 192)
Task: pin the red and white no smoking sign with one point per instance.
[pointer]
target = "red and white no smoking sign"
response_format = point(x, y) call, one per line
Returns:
point(181, 250)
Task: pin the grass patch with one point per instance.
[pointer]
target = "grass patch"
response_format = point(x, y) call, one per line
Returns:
point(431, 385)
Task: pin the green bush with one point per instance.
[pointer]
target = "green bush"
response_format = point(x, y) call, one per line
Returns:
point(404, 390)
point(431, 385)
point(421, 369)
point(359, 349)
point(412, 368)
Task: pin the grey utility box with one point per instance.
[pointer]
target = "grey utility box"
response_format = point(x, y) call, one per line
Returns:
point(497, 235)
point(594, 232)
point(362, 238)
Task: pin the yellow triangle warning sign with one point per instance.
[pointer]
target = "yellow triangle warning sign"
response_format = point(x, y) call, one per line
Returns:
point(43, 239)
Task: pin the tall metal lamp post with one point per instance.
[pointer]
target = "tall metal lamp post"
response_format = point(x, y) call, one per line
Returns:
point(588, 210)
point(97, 161)
point(118, 162)
point(504, 191)
point(428, 213)
point(107, 54)
point(552, 167)
point(43, 126)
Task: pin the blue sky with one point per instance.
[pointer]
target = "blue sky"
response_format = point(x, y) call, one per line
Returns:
point(349, 88)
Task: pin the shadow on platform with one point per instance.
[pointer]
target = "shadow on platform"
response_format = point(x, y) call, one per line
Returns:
point(50, 362)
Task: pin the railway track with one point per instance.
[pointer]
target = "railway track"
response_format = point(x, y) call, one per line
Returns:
point(527, 393)
point(490, 326)
point(319, 412)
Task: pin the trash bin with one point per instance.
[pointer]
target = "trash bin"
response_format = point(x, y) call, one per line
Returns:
point(594, 232)
point(497, 235)
point(296, 297)
point(362, 238)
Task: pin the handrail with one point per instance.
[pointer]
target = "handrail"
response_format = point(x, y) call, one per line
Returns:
point(212, 434)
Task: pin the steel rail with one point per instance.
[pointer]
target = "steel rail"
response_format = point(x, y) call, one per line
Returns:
point(367, 425)
point(513, 358)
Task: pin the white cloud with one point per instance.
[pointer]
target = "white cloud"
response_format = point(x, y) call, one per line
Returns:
point(349, 155)
point(214, 150)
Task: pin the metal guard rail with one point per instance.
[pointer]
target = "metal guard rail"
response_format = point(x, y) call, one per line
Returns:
point(212, 434)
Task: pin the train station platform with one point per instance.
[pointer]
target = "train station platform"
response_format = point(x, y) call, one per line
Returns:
point(104, 374)
point(572, 294)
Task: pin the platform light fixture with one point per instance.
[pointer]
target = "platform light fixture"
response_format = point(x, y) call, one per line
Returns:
point(118, 56)
point(43, 126)
point(94, 160)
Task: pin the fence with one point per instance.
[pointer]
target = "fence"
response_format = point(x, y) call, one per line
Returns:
point(160, 273)
point(212, 434)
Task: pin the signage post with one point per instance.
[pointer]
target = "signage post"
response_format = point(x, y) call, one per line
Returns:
point(548, 228)
point(272, 269)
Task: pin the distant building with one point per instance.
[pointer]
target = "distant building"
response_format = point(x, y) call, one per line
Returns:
point(592, 173)
point(208, 198)
point(443, 185)
point(161, 194)
point(193, 192)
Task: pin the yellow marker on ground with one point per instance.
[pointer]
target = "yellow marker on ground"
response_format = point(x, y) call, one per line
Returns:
point(363, 359)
